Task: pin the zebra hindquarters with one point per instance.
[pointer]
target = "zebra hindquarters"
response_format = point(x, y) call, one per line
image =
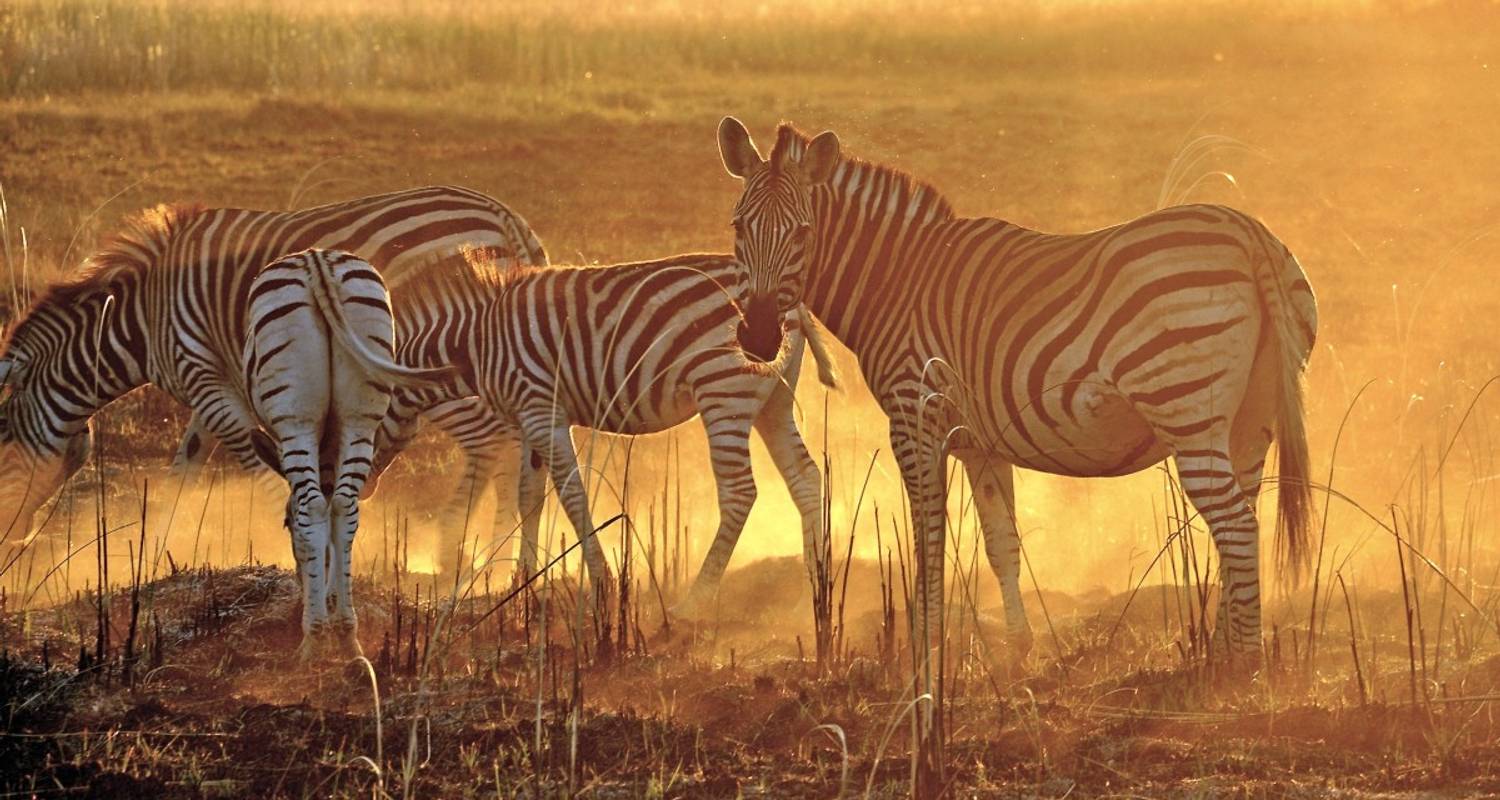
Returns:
point(289, 371)
point(361, 398)
point(1204, 400)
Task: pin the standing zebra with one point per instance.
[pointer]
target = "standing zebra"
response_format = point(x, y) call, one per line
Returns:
point(319, 371)
point(164, 304)
point(630, 349)
point(1183, 333)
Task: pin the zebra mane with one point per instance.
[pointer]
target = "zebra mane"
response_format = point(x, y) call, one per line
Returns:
point(146, 234)
point(486, 265)
point(792, 143)
point(474, 278)
point(130, 252)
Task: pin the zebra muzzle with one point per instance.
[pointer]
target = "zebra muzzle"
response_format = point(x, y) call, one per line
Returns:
point(759, 331)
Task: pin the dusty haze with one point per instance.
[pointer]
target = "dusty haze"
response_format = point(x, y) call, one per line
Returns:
point(1360, 134)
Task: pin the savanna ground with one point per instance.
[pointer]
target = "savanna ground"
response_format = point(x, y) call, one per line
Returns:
point(1361, 134)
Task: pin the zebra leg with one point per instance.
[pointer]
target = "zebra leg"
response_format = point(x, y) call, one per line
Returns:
point(356, 446)
point(1250, 462)
point(918, 449)
point(308, 521)
point(1249, 444)
point(503, 524)
point(554, 443)
point(198, 445)
point(397, 428)
point(995, 499)
point(531, 484)
point(1211, 484)
point(482, 437)
point(729, 453)
point(220, 412)
point(218, 415)
point(482, 458)
point(778, 428)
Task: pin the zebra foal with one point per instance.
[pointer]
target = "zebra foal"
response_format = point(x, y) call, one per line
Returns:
point(628, 349)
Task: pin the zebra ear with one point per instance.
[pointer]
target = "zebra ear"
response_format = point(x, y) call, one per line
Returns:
point(821, 158)
point(736, 149)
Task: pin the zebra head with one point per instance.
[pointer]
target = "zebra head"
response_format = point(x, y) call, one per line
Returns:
point(42, 442)
point(774, 224)
point(30, 474)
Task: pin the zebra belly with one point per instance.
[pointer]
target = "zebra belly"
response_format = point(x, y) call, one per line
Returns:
point(635, 418)
point(1101, 434)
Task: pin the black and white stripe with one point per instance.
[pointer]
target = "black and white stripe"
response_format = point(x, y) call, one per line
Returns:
point(319, 371)
point(1183, 333)
point(165, 304)
point(631, 349)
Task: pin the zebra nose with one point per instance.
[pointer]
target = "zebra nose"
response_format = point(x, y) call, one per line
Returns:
point(760, 330)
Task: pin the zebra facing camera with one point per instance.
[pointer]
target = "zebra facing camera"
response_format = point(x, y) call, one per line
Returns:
point(759, 332)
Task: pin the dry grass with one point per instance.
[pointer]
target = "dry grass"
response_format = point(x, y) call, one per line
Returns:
point(1360, 135)
point(221, 712)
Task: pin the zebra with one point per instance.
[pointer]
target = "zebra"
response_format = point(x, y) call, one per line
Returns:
point(629, 349)
point(1182, 333)
point(319, 390)
point(163, 303)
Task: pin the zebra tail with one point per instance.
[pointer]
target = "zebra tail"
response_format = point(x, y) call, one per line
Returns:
point(1294, 494)
point(376, 365)
point(814, 333)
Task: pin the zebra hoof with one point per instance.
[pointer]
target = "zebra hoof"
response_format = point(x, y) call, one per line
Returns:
point(348, 644)
point(308, 652)
point(1008, 658)
point(605, 590)
point(454, 574)
point(1018, 645)
point(1241, 660)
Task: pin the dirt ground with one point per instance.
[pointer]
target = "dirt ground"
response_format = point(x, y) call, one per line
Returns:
point(214, 706)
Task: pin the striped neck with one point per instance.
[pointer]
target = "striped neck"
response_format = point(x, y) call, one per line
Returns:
point(81, 346)
point(870, 221)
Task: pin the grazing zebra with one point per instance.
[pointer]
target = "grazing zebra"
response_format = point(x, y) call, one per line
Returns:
point(319, 371)
point(1183, 333)
point(164, 304)
point(630, 349)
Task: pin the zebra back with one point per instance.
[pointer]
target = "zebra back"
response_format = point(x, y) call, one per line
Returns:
point(164, 302)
